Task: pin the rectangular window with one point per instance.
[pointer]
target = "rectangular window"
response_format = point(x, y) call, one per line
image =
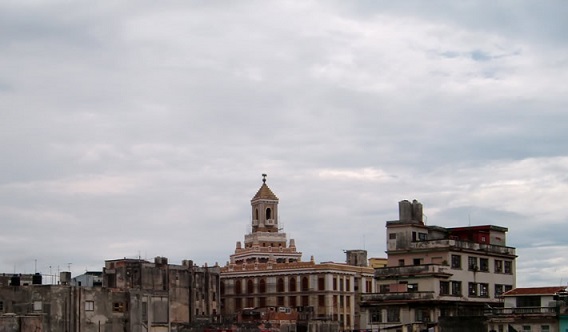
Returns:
point(444, 288)
point(392, 236)
point(456, 288)
point(422, 236)
point(376, 315)
point(422, 315)
point(545, 328)
point(393, 315)
point(412, 288)
point(526, 328)
point(484, 265)
point(321, 300)
point(498, 290)
point(1, 306)
point(118, 307)
point(348, 285)
point(279, 300)
point(472, 263)
point(334, 283)
point(401, 262)
point(321, 283)
point(508, 288)
point(508, 267)
point(483, 290)
point(498, 266)
point(37, 305)
point(472, 289)
point(456, 262)
point(416, 261)
point(384, 289)
point(89, 305)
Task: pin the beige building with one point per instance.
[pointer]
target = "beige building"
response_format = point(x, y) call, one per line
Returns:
point(267, 271)
point(434, 273)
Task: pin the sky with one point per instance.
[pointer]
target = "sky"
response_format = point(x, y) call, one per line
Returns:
point(141, 128)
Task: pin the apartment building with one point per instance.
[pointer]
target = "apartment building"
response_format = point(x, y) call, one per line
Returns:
point(434, 273)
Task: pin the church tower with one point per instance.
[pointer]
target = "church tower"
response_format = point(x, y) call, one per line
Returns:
point(266, 243)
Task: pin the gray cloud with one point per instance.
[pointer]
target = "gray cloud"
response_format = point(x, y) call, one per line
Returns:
point(141, 129)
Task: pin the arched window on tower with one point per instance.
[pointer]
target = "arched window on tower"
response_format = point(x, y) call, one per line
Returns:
point(292, 285)
point(255, 214)
point(268, 213)
point(250, 286)
point(280, 284)
point(238, 287)
point(262, 286)
point(305, 284)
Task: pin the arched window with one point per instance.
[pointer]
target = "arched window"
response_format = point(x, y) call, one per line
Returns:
point(292, 285)
point(250, 286)
point(238, 287)
point(280, 285)
point(255, 214)
point(262, 286)
point(268, 213)
point(305, 284)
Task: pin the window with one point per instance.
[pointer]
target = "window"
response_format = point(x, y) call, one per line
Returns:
point(545, 328)
point(118, 307)
point(526, 327)
point(250, 302)
point(416, 261)
point(292, 285)
point(292, 301)
point(508, 288)
point(268, 213)
point(305, 284)
point(508, 267)
point(392, 236)
point(376, 315)
point(280, 285)
point(472, 263)
point(483, 290)
point(37, 305)
point(1, 306)
point(401, 262)
point(384, 288)
point(412, 288)
point(422, 314)
point(456, 262)
point(484, 264)
point(334, 283)
point(238, 287)
point(348, 285)
point(321, 300)
point(498, 290)
point(250, 286)
point(280, 300)
point(321, 283)
point(456, 288)
point(89, 305)
point(393, 315)
point(422, 236)
point(262, 286)
point(498, 266)
point(472, 289)
point(444, 287)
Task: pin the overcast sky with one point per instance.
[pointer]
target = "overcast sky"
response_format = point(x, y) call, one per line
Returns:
point(142, 128)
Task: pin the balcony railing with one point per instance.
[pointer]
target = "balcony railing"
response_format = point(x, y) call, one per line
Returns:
point(412, 270)
point(431, 244)
point(522, 311)
point(397, 296)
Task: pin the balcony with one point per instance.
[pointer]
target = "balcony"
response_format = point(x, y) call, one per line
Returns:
point(427, 269)
point(490, 248)
point(536, 311)
point(398, 296)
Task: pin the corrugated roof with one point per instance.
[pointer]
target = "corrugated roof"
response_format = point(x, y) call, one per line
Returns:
point(264, 193)
point(551, 290)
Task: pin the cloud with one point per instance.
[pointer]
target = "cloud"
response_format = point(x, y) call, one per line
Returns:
point(142, 130)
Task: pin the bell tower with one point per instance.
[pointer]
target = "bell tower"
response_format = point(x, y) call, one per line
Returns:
point(265, 243)
point(264, 210)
